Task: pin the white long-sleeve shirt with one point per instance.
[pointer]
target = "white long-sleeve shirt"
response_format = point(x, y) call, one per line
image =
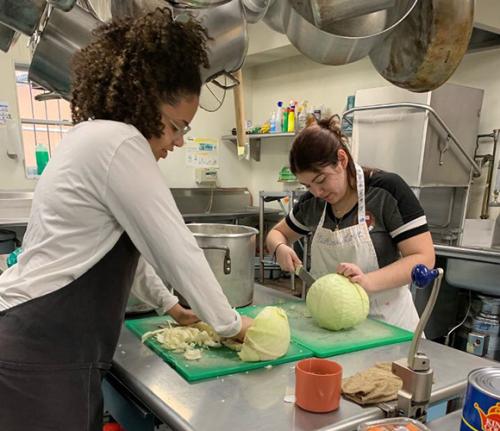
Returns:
point(102, 180)
point(150, 289)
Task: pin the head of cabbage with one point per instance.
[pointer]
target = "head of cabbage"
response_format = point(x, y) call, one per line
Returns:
point(337, 303)
point(268, 337)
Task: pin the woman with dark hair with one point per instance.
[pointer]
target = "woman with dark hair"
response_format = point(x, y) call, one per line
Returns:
point(101, 202)
point(366, 224)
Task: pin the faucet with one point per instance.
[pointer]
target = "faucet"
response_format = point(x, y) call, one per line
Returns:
point(415, 370)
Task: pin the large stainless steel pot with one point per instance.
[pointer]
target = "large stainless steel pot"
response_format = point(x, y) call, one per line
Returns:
point(7, 37)
point(67, 32)
point(22, 15)
point(338, 41)
point(230, 251)
point(425, 49)
point(64, 34)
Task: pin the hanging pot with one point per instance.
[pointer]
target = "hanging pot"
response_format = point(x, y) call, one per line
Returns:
point(7, 37)
point(335, 38)
point(65, 5)
point(22, 15)
point(426, 48)
point(64, 34)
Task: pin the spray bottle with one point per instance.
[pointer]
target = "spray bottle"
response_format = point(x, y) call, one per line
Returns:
point(302, 116)
point(272, 122)
point(284, 127)
point(279, 117)
point(291, 117)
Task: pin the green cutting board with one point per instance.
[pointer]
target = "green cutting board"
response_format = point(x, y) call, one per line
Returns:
point(324, 343)
point(214, 362)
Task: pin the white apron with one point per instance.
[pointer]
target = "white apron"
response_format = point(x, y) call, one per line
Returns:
point(354, 245)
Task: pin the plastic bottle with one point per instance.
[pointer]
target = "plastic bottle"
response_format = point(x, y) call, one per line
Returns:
point(301, 118)
point(279, 117)
point(12, 258)
point(42, 157)
point(284, 127)
point(291, 118)
point(272, 123)
point(317, 113)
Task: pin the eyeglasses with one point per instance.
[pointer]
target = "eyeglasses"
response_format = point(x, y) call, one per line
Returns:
point(178, 131)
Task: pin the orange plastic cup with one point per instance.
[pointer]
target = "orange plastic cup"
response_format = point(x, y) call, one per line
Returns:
point(317, 385)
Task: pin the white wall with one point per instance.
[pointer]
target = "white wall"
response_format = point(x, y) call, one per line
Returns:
point(299, 78)
point(232, 172)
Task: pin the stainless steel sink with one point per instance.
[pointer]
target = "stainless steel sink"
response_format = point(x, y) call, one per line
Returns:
point(15, 207)
point(474, 268)
point(16, 194)
point(480, 277)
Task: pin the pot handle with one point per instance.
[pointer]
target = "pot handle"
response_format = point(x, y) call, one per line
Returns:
point(227, 257)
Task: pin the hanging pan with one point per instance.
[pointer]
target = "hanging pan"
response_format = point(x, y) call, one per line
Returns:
point(424, 50)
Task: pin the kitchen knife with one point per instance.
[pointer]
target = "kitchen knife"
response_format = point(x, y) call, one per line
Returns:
point(305, 276)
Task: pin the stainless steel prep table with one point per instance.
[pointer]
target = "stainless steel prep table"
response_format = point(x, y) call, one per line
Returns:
point(255, 400)
point(449, 422)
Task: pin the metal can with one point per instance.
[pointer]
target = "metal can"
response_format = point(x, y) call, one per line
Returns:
point(481, 410)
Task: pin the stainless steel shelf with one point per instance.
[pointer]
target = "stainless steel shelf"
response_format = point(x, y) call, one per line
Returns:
point(255, 141)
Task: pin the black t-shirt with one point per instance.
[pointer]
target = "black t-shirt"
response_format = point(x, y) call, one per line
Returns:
point(393, 214)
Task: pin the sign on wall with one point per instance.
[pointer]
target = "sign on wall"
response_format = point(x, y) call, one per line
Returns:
point(202, 152)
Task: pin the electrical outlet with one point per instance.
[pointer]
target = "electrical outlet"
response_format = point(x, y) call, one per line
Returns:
point(206, 176)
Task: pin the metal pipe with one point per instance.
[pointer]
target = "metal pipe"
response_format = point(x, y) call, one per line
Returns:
point(485, 207)
point(261, 237)
point(46, 122)
point(423, 107)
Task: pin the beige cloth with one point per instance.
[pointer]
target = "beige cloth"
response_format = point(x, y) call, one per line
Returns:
point(375, 385)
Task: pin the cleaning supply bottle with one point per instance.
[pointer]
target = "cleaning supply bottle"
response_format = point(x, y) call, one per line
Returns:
point(284, 127)
point(279, 117)
point(12, 258)
point(301, 117)
point(291, 117)
point(272, 122)
point(42, 157)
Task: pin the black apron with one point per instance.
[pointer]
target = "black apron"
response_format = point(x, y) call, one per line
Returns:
point(55, 349)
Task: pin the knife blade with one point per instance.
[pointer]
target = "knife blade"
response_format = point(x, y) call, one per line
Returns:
point(305, 276)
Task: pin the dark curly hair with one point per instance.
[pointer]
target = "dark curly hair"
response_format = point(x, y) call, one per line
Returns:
point(135, 64)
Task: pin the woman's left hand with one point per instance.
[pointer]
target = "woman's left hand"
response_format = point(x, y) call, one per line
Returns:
point(183, 316)
point(356, 275)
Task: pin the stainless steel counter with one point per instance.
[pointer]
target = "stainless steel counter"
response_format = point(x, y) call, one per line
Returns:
point(449, 422)
point(255, 400)
point(469, 253)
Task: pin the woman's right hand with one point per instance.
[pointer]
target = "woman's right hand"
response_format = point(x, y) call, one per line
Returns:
point(286, 258)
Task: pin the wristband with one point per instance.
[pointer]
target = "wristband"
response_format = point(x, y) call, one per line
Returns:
point(276, 249)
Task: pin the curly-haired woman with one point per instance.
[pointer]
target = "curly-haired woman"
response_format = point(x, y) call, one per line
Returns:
point(366, 224)
point(100, 203)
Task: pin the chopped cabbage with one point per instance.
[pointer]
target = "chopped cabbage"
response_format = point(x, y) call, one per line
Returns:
point(192, 354)
point(337, 303)
point(268, 337)
point(186, 338)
